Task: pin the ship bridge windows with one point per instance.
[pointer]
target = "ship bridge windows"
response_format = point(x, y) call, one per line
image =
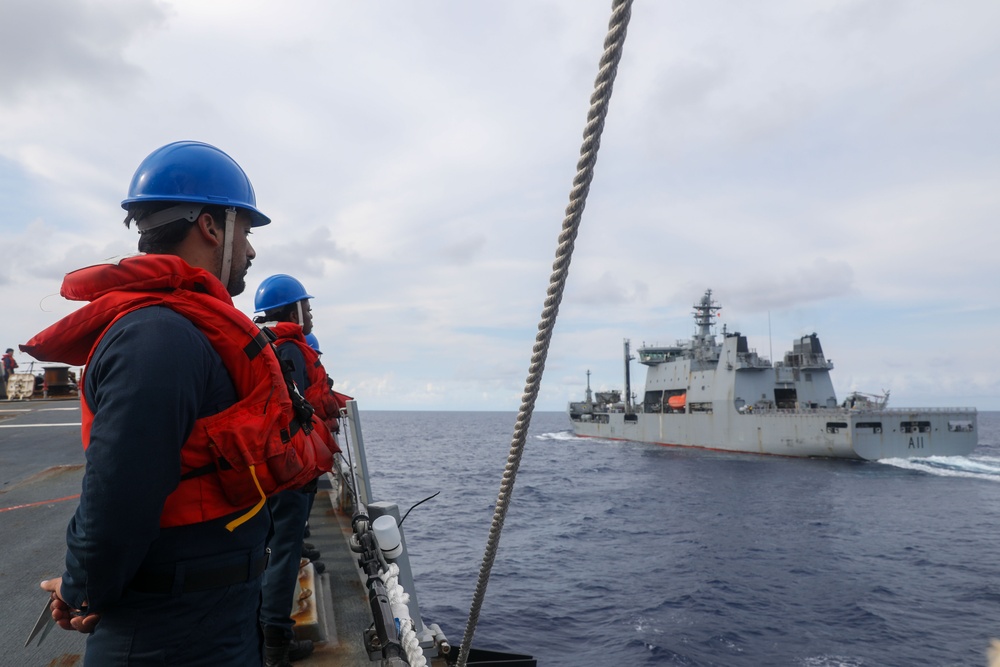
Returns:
point(915, 427)
point(652, 356)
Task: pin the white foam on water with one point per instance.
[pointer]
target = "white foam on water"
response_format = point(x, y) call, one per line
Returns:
point(974, 467)
point(642, 625)
point(831, 661)
point(557, 435)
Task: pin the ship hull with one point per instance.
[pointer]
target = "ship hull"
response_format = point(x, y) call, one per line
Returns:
point(833, 433)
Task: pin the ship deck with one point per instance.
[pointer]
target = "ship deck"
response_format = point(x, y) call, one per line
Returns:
point(42, 463)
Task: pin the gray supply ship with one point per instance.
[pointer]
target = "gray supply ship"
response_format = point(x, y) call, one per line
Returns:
point(719, 394)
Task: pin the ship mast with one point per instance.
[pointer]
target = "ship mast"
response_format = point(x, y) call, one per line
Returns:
point(704, 317)
point(704, 313)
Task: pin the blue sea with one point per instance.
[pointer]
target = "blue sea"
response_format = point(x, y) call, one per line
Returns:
point(617, 553)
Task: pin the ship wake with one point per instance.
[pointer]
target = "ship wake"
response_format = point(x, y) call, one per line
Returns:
point(557, 435)
point(976, 467)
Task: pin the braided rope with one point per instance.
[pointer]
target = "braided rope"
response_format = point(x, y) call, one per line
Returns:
point(599, 101)
point(398, 600)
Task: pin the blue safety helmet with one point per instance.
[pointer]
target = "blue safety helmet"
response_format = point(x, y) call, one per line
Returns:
point(195, 172)
point(277, 291)
point(313, 342)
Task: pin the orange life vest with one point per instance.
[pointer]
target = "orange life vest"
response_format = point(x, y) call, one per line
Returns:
point(319, 393)
point(232, 459)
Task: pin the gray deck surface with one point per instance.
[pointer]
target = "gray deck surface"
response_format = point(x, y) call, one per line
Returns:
point(41, 465)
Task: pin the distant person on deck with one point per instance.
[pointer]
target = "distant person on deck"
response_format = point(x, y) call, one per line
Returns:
point(184, 403)
point(9, 364)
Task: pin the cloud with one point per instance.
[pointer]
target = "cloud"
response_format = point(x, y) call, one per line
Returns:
point(48, 46)
point(308, 253)
point(608, 289)
point(463, 251)
point(794, 287)
point(821, 167)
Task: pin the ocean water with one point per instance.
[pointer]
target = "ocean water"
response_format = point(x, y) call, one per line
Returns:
point(619, 553)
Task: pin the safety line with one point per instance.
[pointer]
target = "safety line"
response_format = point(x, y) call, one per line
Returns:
point(40, 502)
point(38, 425)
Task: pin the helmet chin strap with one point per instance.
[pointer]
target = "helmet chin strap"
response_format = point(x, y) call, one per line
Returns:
point(227, 249)
point(302, 322)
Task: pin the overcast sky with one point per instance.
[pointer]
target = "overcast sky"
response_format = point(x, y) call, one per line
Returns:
point(828, 166)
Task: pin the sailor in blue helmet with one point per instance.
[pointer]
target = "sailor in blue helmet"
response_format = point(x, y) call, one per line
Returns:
point(178, 184)
point(162, 567)
point(284, 302)
point(313, 342)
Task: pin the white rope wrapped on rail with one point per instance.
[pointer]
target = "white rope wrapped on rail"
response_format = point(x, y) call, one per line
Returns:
point(408, 637)
point(398, 599)
point(613, 44)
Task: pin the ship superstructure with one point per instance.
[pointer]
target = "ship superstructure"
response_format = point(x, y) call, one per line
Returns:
point(718, 393)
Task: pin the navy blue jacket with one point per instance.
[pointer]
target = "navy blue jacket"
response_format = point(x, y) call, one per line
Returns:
point(153, 374)
point(290, 352)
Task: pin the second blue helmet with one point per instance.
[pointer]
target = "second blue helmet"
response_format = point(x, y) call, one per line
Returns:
point(277, 291)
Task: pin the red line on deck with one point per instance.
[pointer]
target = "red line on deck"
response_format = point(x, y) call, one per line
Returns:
point(40, 502)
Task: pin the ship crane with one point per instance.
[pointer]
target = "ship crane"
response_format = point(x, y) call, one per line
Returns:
point(628, 379)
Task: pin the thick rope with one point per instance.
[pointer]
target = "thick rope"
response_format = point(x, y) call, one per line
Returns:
point(599, 101)
point(399, 599)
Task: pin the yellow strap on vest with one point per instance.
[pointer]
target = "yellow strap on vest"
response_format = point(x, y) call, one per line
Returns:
point(239, 521)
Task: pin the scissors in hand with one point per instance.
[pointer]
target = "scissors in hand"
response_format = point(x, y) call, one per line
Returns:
point(43, 625)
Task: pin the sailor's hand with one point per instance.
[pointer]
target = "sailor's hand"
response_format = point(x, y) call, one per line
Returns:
point(65, 616)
